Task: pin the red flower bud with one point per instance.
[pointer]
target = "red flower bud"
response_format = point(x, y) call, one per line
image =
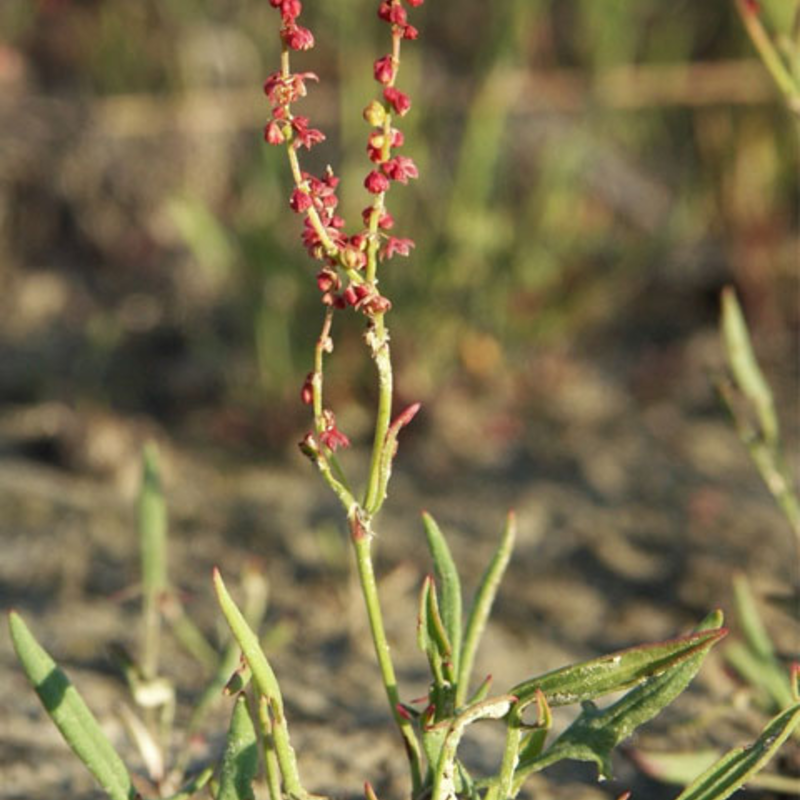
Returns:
point(384, 70)
point(296, 37)
point(398, 100)
point(328, 281)
point(307, 392)
point(376, 182)
point(410, 33)
point(349, 295)
point(273, 133)
point(397, 15)
point(290, 10)
point(415, 3)
point(300, 201)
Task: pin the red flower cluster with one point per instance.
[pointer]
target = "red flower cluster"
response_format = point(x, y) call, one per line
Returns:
point(345, 258)
point(294, 36)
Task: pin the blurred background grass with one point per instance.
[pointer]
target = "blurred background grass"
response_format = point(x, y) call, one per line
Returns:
point(593, 172)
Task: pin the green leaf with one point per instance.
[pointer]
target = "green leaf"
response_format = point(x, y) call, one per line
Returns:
point(152, 524)
point(738, 766)
point(482, 606)
point(616, 671)
point(683, 767)
point(153, 543)
point(755, 660)
point(596, 732)
point(266, 682)
point(450, 584)
point(240, 759)
point(70, 713)
point(744, 366)
point(431, 636)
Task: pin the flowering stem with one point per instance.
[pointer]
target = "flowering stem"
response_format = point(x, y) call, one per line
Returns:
point(349, 278)
point(362, 535)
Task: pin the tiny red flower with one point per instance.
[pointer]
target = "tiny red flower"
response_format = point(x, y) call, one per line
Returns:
point(376, 182)
point(300, 201)
point(400, 168)
point(296, 37)
point(410, 33)
point(384, 70)
point(328, 281)
point(385, 222)
point(307, 137)
point(331, 436)
point(401, 247)
point(290, 10)
point(415, 3)
point(307, 392)
point(398, 100)
point(375, 304)
point(397, 15)
point(282, 91)
point(384, 11)
point(353, 257)
point(350, 296)
point(273, 133)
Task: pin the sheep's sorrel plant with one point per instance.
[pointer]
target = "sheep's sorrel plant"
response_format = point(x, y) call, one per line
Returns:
point(646, 678)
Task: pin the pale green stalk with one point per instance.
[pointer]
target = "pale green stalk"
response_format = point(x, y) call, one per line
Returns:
point(362, 541)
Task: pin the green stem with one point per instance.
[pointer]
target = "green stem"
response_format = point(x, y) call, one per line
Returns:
point(270, 757)
point(383, 361)
point(362, 540)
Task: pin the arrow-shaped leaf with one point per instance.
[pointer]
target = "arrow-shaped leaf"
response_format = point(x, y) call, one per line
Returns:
point(614, 672)
point(596, 732)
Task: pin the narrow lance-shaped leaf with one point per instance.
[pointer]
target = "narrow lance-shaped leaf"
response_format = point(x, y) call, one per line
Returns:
point(596, 732)
point(738, 766)
point(266, 682)
point(616, 671)
point(431, 638)
point(744, 365)
point(450, 585)
point(240, 759)
point(437, 634)
point(70, 713)
point(482, 606)
point(683, 767)
point(153, 543)
point(755, 659)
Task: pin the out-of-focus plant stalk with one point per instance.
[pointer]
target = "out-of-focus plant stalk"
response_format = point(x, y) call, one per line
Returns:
point(786, 78)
